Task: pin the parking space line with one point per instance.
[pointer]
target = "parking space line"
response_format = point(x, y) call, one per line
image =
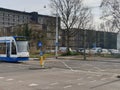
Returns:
point(10, 79)
point(2, 77)
point(68, 86)
point(67, 66)
point(52, 84)
point(33, 85)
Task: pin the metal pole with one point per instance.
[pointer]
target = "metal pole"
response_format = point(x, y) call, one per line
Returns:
point(56, 42)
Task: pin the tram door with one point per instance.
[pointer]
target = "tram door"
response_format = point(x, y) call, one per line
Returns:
point(8, 49)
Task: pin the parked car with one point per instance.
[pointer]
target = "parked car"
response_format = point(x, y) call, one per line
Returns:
point(63, 49)
point(114, 51)
point(80, 50)
point(105, 51)
point(96, 50)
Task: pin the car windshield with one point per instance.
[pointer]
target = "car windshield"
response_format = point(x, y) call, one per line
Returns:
point(22, 46)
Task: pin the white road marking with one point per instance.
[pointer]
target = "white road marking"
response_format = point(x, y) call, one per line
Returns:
point(93, 72)
point(52, 84)
point(102, 70)
point(68, 86)
point(103, 79)
point(67, 66)
point(33, 84)
point(2, 77)
point(10, 79)
point(89, 71)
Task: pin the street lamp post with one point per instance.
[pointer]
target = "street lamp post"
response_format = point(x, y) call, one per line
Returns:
point(56, 41)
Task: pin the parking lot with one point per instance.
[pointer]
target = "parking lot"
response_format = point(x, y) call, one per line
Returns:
point(61, 74)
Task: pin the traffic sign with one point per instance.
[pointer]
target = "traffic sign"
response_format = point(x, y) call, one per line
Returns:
point(56, 44)
point(40, 44)
point(41, 53)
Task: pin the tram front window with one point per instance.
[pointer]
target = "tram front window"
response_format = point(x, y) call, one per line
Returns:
point(22, 46)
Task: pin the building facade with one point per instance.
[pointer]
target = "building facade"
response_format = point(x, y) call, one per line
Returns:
point(118, 41)
point(94, 38)
point(11, 19)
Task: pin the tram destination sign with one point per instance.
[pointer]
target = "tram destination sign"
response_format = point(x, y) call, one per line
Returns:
point(20, 39)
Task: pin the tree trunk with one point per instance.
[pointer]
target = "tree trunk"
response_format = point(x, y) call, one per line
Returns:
point(68, 39)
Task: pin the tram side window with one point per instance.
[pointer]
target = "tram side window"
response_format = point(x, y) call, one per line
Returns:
point(2, 48)
point(13, 48)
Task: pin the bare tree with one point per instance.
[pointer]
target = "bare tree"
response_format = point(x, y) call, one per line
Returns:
point(73, 14)
point(111, 14)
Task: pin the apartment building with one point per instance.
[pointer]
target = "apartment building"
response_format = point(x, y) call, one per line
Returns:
point(10, 19)
point(93, 38)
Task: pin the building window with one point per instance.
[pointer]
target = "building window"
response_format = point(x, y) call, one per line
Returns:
point(13, 16)
point(13, 20)
point(2, 48)
point(8, 19)
point(13, 48)
point(3, 14)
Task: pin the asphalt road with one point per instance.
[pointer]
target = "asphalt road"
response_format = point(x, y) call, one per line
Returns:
point(61, 75)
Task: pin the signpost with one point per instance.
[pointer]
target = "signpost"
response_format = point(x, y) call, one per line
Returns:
point(39, 44)
point(41, 54)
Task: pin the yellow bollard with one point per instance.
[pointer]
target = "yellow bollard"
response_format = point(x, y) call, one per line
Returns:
point(41, 61)
point(44, 57)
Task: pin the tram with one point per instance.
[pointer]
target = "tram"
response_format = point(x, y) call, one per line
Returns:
point(14, 48)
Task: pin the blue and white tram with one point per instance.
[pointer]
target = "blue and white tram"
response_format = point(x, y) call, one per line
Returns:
point(14, 49)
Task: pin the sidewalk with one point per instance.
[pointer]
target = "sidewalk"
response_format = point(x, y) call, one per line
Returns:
point(79, 57)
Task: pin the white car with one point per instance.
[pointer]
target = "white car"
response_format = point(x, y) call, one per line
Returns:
point(114, 51)
point(95, 50)
point(105, 51)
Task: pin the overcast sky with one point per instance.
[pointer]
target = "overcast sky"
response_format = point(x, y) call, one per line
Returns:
point(38, 5)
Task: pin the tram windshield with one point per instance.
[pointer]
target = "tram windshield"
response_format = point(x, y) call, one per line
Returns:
point(22, 46)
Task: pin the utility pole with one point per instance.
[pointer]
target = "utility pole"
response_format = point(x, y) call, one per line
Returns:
point(56, 41)
point(84, 44)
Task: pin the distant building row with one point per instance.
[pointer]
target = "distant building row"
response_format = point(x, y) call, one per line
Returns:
point(94, 38)
point(12, 22)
